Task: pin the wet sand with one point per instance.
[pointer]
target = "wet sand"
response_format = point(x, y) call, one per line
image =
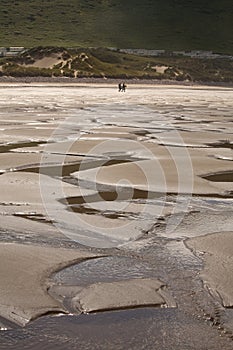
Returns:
point(24, 273)
point(216, 249)
point(143, 178)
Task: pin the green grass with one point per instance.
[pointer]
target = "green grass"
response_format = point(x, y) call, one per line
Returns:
point(151, 24)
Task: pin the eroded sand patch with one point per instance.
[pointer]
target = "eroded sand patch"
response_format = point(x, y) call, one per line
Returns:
point(164, 175)
point(217, 251)
point(21, 196)
point(26, 187)
point(12, 161)
point(24, 272)
point(122, 294)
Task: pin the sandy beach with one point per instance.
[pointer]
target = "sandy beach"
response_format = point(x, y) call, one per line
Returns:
point(116, 216)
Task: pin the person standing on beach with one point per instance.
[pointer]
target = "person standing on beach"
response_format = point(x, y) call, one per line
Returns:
point(122, 87)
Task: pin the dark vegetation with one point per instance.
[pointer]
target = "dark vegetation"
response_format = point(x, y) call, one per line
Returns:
point(51, 26)
point(101, 62)
point(152, 24)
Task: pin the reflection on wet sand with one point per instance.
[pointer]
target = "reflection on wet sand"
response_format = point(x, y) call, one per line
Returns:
point(143, 179)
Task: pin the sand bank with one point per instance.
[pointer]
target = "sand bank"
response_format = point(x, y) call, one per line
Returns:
point(122, 294)
point(24, 272)
point(217, 251)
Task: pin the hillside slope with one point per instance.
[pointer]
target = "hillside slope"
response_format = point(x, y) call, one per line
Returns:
point(167, 24)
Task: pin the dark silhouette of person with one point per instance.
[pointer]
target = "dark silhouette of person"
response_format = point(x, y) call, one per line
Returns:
point(124, 87)
point(119, 87)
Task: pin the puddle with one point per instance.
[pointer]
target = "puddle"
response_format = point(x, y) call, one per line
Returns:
point(34, 217)
point(140, 132)
point(123, 194)
point(221, 144)
point(10, 146)
point(107, 269)
point(225, 176)
point(65, 170)
point(52, 170)
point(110, 214)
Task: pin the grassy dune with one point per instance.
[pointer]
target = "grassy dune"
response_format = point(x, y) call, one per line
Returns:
point(152, 24)
point(102, 62)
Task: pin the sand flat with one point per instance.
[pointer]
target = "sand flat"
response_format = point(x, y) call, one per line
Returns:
point(21, 160)
point(161, 175)
point(121, 294)
point(170, 138)
point(24, 272)
point(20, 187)
point(217, 250)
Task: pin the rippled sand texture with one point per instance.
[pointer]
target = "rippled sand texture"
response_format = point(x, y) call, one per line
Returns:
point(146, 143)
point(88, 165)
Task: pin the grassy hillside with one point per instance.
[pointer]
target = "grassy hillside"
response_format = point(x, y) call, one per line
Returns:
point(102, 62)
point(153, 24)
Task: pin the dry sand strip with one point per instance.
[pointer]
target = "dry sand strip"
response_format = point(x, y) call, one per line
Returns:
point(24, 276)
point(217, 250)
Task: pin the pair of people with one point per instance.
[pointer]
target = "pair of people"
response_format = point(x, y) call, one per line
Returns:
point(122, 87)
